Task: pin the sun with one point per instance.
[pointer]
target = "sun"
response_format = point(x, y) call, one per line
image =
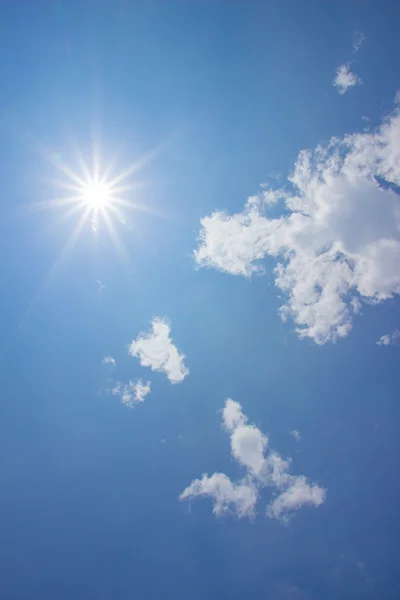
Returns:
point(98, 199)
point(96, 195)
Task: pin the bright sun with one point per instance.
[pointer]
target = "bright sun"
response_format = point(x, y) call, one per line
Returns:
point(96, 195)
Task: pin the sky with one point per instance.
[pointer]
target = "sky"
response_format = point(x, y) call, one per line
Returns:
point(200, 317)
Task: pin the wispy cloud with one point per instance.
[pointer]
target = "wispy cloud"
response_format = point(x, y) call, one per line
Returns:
point(359, 39)
point(296, 435)
point(337, 241)
point(345, 79)
point(109, 360)
point(286, 591)
point(131, 393)
point(390, 339)
point(262, 469)
point(157, 351)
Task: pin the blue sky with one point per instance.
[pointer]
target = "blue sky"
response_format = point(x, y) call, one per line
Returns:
point(241, 439)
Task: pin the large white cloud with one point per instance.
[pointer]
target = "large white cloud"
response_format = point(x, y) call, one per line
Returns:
point(337, 241)
point(248, 447)
point(156, 350)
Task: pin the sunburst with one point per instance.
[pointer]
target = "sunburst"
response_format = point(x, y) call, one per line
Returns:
point(94, 196)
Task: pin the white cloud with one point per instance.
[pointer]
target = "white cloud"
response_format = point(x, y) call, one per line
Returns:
point(247, 442)
point(337, 241)
point(232, 415)
point(239, 498)
point(296, 435)
point(131, 393)
point(109, 360)
point(345, 79)
point(359, 39)
point(248, 447)
point(390, 339)
point(156, 350)
point(297, 494)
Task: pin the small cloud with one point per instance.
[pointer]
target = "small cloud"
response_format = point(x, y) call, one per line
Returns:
point(392, 339)
point(296, 435)
point(131, 393)
point(101, 285)
point(359, 38)
point(262, 469)
point(156, 350)
point(299, 493)
point(109, 360)
point(345, 79)
point(239, 498)
point(285, 591)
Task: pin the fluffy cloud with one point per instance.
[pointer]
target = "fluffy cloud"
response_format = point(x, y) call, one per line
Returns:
point(247, 442)
point(345, 79)
point(131, 393)
point(156, 350)
point(337, 241)
point(390, 339)
point(297, 494)
point(239, 498)
point(109, 360)
point(248, 447)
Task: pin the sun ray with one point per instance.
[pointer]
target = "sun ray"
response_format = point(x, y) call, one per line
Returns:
point(43, 205)
point(56, 265)
point(118, 245)
point(97, 198)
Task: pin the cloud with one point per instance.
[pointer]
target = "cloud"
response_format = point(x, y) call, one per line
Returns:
point(359, 39)
point(239, 498)
point(131, 393)
point(297, 494)
point(247, 442)
point(345, 79)
point(337, 241)
point(109, 360)
point(248, 447)
point(156, 350)
point(296, 435)
point(390, 339)
point(285, 591)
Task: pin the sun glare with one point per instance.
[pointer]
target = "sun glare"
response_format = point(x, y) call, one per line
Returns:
point(96, 195)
